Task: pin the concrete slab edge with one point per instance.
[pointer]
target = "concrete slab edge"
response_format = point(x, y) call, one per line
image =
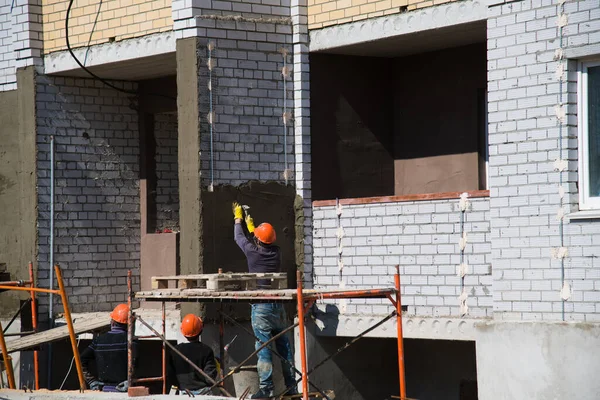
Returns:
point(413, 327)
point(128, 49)
point(444, 15)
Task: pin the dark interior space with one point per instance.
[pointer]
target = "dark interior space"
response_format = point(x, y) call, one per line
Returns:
point(159, 179)
point(351, 111)
point(398, 125)
point(435, 369)
point(158, 154)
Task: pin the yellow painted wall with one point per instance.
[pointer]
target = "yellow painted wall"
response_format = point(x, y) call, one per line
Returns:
point(119, 19)
point(323, 13)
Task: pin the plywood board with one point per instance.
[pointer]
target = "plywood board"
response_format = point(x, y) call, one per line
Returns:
point(83, 324)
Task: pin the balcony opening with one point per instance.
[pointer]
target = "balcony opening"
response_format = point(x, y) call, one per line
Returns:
point(385, 123)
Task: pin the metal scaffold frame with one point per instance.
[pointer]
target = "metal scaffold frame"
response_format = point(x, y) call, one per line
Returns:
point(29, 286)
point(305, 299)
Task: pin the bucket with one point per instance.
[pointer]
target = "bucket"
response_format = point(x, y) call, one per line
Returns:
point(247, 377)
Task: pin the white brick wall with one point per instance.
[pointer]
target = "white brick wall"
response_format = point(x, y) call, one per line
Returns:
point(187, 16)
point(20, 38)
point(167, 177)
point(247, 102)
point(422, 237)
point(524, 142)
point(97, 220)
point(301, 110)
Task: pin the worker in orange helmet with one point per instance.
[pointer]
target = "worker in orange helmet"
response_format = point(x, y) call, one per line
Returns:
point(268, 319)
point(109, 352)
point(180, 372)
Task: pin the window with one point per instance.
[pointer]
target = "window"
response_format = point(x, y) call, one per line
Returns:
point(589, 136)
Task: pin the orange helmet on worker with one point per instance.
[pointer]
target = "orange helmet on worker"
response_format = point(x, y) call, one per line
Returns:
point(120, 314)
point(191, 326)
point(265, 233)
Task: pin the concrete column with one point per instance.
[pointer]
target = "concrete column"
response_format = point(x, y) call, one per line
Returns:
point(190, 203)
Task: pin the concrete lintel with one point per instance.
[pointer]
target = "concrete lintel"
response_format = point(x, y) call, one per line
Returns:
point(129, 49)
point(445, 15)
point(412, 327)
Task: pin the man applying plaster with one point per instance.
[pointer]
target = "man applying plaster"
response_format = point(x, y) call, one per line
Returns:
point(268, 319)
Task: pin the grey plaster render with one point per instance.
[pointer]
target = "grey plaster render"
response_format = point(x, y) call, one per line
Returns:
point(537, 360)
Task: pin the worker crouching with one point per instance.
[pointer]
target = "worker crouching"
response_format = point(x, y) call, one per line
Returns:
point(108, 354)
point(183, 374)
point(268, 319)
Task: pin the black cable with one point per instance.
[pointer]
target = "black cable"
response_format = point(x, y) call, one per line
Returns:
point(93, 75)
point(79, 62)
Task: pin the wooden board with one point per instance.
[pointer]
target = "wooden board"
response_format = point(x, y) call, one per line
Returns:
point(83, 324)
point(269, 295)
point(199, 294)
point(226, 281)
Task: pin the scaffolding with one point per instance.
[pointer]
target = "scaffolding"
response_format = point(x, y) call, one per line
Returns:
point(29, 286)
point(304, 298)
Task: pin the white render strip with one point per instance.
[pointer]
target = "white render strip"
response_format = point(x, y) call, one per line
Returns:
point(412, 327)
point(441, 16)
point(106, 53)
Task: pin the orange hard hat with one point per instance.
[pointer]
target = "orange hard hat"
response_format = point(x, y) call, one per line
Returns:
point(120, 313)
point(265, 233)
point(191, 325)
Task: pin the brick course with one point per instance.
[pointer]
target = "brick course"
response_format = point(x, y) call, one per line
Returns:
point(117, 19)
point(97, 220)
point(422, 237)
point(248, 101)
point(20, 39)
point(322, 13)
point(524, 142)
point(167, 177)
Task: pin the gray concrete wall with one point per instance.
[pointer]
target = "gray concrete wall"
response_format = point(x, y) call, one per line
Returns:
point(538, 361)
point(17, 184)
point(368, 370)
point(97, 198)
point(526, 139)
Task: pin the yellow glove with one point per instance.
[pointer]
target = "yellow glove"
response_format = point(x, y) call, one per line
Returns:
point(249, 223)
point(237, 211)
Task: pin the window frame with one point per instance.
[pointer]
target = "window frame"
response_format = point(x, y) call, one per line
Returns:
point(585, 201)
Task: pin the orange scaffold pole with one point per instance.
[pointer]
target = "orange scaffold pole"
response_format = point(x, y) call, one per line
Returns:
point(7, 361)
point(302, 337)
point(65, 302)
point(35, 327)
point(400, 337)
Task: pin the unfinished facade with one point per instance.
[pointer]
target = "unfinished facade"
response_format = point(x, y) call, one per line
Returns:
point(458, 139)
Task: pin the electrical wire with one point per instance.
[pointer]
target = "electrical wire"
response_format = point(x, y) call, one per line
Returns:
point(93, 75)
point(107, 83)
point(70, 368)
